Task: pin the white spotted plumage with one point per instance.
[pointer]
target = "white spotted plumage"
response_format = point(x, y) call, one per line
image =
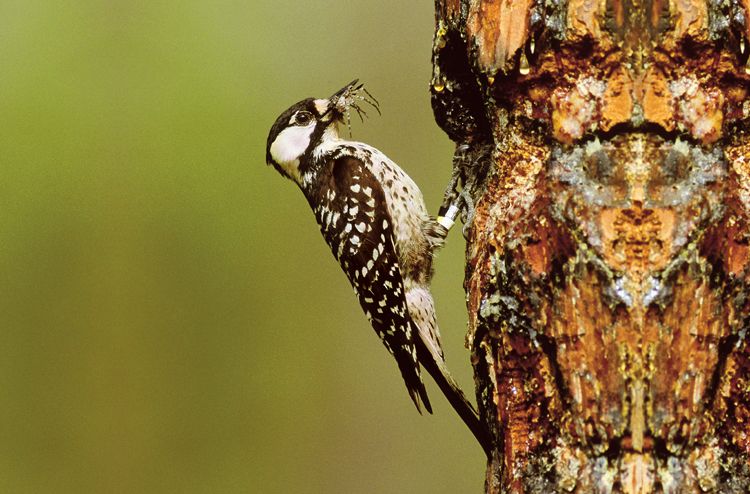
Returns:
point(401, 228)
point(374, 219)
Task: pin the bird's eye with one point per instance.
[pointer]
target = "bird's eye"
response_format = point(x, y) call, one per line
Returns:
point(303, 118)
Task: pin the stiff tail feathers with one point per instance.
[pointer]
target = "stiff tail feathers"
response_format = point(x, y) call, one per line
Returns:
point(413, 379)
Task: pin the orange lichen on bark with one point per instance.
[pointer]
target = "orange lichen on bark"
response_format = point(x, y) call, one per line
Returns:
point(609, 254)
point(690, 18)
point(583, 18)
point(498, 28)
point(686, 339)
point(637, 238)
point(728, 242)
point(655, 98)
point(617, 105)
point(522, 394)
point(547, 241)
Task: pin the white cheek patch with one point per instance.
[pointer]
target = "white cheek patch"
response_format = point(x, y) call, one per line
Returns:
point(289, 146)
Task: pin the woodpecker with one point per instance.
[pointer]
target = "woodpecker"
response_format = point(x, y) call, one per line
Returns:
point(374, 219)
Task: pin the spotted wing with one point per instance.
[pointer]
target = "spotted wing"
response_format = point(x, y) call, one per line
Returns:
point(353, 217)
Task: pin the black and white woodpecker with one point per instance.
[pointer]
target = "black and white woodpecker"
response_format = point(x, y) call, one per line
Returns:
point(374, 219)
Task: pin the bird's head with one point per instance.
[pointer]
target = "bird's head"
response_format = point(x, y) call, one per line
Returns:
point(310, 125)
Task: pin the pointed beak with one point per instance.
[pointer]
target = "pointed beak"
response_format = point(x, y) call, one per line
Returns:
point(344, 90)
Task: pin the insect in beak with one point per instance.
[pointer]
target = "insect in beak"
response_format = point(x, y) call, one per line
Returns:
point(351, 96)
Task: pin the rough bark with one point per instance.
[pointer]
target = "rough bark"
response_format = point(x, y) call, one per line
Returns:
point(605, 148)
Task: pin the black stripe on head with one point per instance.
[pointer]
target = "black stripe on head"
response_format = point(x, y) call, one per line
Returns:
point(317, 135)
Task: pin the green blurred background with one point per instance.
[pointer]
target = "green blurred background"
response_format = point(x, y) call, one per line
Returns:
point(172, 320)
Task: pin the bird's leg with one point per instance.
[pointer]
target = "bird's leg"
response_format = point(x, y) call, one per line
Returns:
point(468, 212)
point(469, 169)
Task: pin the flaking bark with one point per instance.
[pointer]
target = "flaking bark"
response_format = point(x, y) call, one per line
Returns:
point(605, 151)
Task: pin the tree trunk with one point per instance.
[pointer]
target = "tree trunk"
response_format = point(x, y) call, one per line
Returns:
point(605, 162)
